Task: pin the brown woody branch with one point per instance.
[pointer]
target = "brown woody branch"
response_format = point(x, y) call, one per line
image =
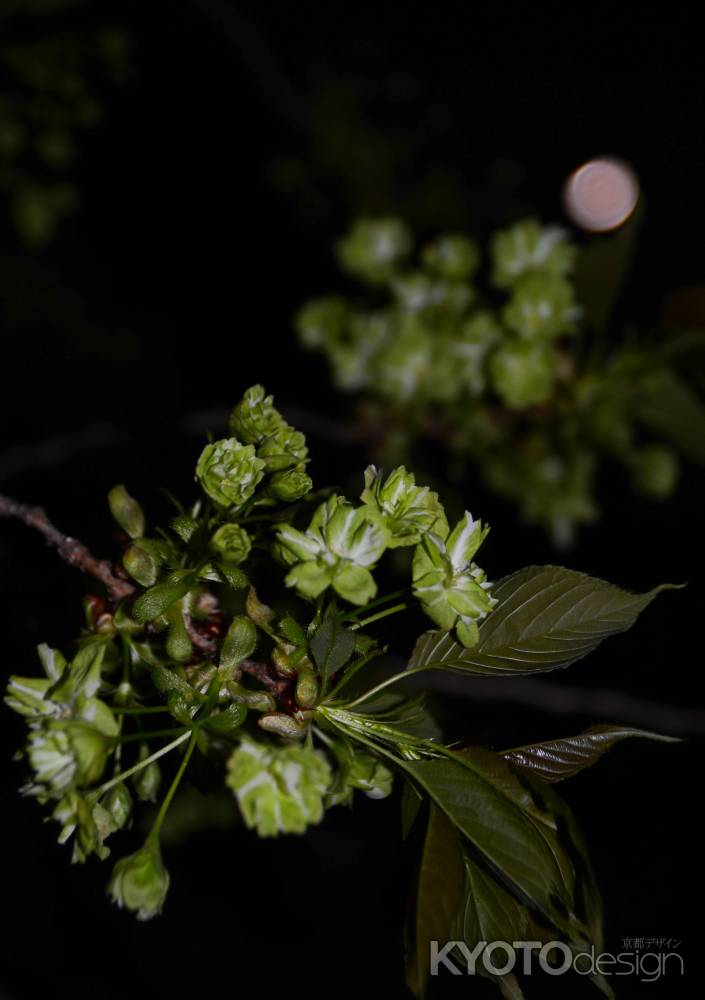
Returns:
point(72, 551)
point(266, 675)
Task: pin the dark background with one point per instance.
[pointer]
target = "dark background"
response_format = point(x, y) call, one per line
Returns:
point(245, 139)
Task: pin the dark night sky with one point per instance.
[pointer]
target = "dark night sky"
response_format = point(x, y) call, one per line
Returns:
point(211, 196)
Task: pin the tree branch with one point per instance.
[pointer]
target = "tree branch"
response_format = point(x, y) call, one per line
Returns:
point(70, 549)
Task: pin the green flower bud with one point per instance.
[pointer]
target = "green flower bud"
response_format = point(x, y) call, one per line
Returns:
point(117, 802)
point(453, 256)
point(140, 882)
point(373, 249)
point(66, 754)
point(286, 447)
point(528, 247)
point(306, 689)
point(655, 471)
point(281, 660)
point(146, 782)
point(523, 374)
point(290, 485)
point(141, 565)
point(258, 701)
point(239, 643)
point(232, 543)
point(284, 725)
point(229, 471)
point(279, 789)
point(322, 322)
point(405, 510)
point(255, 418)
point(126, 511)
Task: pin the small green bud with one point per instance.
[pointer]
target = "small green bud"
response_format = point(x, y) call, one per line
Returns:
point(306, 689)
point(286, 447)
point(147, 781)
point(117, 802)
point(284, 725)
point(258, 701)
point(126, 511)
point(255, 417)
point(140, 565)
point(232, 543)
point(229, 472)
point(289, 485)
point(140, 882)
point(280, 659)
point(239, 643)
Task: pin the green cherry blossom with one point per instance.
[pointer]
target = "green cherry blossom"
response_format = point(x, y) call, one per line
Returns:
point(452, 589)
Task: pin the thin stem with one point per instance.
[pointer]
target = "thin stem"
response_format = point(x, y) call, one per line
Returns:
point(140, 710)
point(154, 833)
point(140, 765)
point(381, 614)
point(385, 684)
point(151, 734)
point(353, 615)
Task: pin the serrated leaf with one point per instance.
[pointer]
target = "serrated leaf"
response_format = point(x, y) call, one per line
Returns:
point(547, 618)
point(556, 760)
point(332, 646)
point(491, 913)
point(439, 896)
point(495, 819)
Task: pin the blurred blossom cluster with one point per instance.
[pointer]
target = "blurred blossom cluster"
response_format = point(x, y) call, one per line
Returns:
point(487, 352)
point(53, 73)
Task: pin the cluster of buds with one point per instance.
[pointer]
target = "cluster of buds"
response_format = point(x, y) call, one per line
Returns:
point(238, 680)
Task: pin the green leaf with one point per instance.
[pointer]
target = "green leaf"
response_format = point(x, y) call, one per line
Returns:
point(332, 646)
point(491, 913)
point(225, 722)
point(157, 600)
point(411, 800)
point(492, 809)
point(556, 760)
point(439, 897)
point(547, 618)
point(666, 404)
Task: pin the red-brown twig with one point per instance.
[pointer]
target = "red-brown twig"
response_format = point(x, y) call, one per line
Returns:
point(70, 549)
point(266, 675)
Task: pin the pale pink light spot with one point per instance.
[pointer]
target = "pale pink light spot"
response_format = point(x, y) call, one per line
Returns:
point(601, 195)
